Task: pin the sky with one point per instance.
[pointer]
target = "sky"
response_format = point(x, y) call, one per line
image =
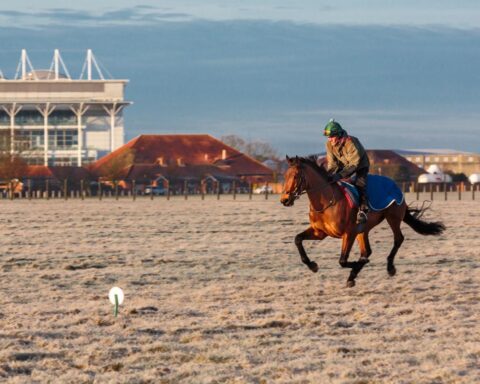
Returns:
point(398, 75)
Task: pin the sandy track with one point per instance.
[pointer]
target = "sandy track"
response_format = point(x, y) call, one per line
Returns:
point(216, 293)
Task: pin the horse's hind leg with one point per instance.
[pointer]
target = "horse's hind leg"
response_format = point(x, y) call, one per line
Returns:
point(394, 220)
point(365, 252)
point(347, 243)
point(365, 249)
point(309, 234)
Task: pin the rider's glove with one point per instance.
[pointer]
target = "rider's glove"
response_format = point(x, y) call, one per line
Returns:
point(336, 177)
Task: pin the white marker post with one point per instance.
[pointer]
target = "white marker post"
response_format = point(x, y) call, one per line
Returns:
point(116, 298)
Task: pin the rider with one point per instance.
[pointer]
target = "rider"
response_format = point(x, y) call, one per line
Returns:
point(346, 156)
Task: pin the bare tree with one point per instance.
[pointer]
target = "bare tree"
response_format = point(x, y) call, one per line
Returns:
point(257, 149)
point(234, 141)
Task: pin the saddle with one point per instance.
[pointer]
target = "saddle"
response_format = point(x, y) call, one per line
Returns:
point(381, 193)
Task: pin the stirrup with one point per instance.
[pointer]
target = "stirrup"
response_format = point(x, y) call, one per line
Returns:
point(362, 217)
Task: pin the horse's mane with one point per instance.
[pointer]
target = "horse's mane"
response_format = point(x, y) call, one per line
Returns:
point(312, 161)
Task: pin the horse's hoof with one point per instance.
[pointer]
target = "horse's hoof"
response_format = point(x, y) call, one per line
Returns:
point(313, 267)
point(350, 283)
point(392, 271)
point(364, 260)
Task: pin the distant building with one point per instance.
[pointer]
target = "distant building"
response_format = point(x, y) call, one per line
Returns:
point(51, 119)
point(388, 163)
point(179, 158)
point(454, 162)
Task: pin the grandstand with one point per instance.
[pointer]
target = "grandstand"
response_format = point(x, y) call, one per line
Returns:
point(51, 119)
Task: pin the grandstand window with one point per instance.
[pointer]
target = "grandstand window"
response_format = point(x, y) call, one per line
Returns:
point(4, 118)
point(63, 139)
point(28, 117)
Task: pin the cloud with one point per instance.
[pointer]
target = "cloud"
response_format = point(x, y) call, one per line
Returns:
point(347, 13)
point(138, 15)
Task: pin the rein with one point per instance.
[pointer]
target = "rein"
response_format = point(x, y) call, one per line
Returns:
point(303, 188)
point(331, 202)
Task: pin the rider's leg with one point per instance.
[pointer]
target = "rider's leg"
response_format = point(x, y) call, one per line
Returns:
point(361, 184)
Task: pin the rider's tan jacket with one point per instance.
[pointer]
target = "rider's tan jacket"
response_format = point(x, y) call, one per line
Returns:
point(346, 157)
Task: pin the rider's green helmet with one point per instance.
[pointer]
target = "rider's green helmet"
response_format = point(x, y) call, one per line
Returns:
point(333, 129)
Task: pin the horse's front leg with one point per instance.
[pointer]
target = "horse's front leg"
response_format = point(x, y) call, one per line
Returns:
point(309, 234)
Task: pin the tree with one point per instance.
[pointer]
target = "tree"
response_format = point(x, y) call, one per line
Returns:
point(12, 166)
point(234, 141)
point(397, 172)
point(257, 149)
point(458, 177)
point(116, 169)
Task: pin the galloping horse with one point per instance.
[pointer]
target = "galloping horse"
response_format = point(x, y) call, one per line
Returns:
point(331, 215)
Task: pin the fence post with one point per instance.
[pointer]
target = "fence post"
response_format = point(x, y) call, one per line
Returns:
point(473, 191)
point(250, 190)
point(459, 186)
point(100, 191)
point(431, 191)
point(151, 189)
point(115, 183)
point(82, 186)
point(47, 189)
point(185, 189)
point(234, 189)
point(218, 190)
point(445, 190)
point(65, 189)
point(417, 190)
point(266, 191)
point(168, 190)
point(134, 190)
point(202, 188)
point(29, 189)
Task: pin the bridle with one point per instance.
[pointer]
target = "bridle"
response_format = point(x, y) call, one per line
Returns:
point(302, 188)
point(301, 185)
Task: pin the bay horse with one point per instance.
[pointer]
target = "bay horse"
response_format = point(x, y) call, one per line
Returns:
point(331, 215)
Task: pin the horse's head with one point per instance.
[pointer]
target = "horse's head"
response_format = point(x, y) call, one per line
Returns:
point(295, 183)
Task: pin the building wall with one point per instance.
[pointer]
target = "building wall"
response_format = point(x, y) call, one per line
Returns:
point(61, 90)
point(456, 162)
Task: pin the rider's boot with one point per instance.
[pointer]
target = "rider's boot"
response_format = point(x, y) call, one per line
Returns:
point(362, 215)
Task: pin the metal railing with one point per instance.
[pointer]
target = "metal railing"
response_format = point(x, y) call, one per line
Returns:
point(188, 189)
point(99, 190)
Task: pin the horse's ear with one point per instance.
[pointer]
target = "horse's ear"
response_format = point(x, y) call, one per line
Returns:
point(287, 158)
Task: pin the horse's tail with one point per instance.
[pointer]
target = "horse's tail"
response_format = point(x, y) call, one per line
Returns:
point(412, 218)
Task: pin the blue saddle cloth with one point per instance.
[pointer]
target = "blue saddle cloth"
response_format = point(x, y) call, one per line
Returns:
point(381, 192)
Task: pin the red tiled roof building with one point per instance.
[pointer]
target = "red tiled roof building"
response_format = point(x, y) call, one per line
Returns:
point(181, 157)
